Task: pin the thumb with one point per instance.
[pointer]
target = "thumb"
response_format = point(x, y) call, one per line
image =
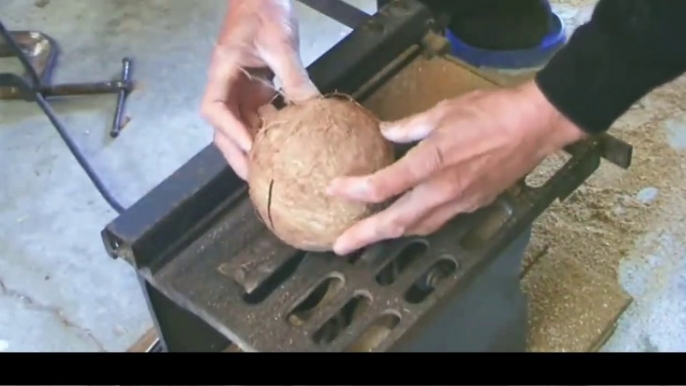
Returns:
point(415, 127)
point(287, 66)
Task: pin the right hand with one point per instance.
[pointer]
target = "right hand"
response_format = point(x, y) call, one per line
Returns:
point(259, 36)
point(471, 148)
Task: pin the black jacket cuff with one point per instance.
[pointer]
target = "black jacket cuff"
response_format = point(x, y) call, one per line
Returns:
point(625, 51)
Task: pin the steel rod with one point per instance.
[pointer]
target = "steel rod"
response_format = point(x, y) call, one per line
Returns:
point(45, 106)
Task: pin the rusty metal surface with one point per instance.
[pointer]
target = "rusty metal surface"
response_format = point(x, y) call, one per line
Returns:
point(210, 279)
point(246, 284)
point(249, 289)
point(40, 49)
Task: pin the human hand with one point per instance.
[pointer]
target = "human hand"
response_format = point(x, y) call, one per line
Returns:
point(259, 41)
point(472, 148)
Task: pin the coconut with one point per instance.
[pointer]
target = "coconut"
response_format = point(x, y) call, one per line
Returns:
point(295, 156)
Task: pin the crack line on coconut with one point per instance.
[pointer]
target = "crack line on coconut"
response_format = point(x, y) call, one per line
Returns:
point(269, 203)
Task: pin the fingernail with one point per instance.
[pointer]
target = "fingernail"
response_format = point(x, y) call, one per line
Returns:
point(333, 187)
point(385, 127)
point(358, 187)
point(339, 249)
point(390, 131)
point(351, 187)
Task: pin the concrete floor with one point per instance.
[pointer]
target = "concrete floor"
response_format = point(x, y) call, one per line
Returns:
point(58, 289)
point(653, 269)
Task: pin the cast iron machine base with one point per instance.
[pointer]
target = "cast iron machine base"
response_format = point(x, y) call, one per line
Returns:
point(217, 280)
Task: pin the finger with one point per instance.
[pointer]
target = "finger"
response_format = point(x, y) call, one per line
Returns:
point(263, 95)
point(218, 107)
point(437, 217)
point(415, 127)
point(267, 111)
point(416, 166)
point(234, 156)
point(254, 105)
point(223, 119)
point(387, 224)
point(444, 213)
point(396, 219)
point(224, 72)
point(467, 200)
point(288, 67)
point(260, 116)
point(253, 121)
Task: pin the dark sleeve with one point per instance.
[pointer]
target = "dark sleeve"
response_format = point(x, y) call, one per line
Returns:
point(628, 48)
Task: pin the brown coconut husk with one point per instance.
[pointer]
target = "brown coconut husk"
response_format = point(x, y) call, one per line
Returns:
point(296, 154)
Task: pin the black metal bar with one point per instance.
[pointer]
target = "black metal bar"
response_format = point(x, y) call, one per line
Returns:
point(75, 89)
point(80, 158)
point(67, 89)
point(339, 10)
point(143, 232)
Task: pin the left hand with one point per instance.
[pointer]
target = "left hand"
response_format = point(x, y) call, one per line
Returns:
point(262, 36)
point(472, 148)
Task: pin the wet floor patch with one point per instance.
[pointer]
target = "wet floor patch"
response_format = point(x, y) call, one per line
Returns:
point(676, 129)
